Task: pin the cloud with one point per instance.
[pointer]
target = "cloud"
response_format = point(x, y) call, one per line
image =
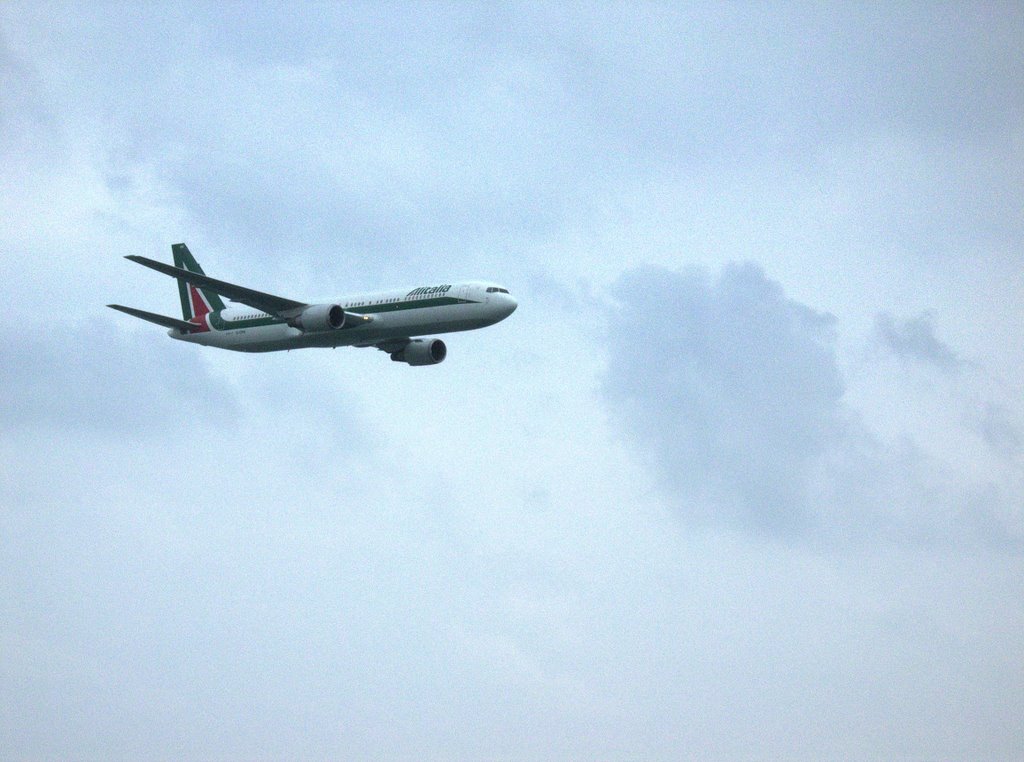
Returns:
point(95, 379)
point(733, 388)
point(427, 563)
point(24, 118)
point(733, 394)
point(999, 428)
point(915, 339)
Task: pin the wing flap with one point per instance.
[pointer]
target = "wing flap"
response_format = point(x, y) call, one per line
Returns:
point(275, 305)
point(389, 345)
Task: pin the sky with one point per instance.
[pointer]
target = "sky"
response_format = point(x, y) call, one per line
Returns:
point(742, 477)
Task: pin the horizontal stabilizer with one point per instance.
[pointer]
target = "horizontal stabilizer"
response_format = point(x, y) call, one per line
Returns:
point(275, 305)
point(152, 317)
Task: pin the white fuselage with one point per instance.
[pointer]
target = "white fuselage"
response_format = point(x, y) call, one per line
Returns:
point(394, 314)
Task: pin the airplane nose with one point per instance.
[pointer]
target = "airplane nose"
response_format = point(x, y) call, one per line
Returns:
point(511, 303)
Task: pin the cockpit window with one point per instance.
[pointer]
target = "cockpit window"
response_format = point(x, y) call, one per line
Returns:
point(496, 290)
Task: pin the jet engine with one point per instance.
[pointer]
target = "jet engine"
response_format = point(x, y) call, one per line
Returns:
point(422, 352)
point(319, 317)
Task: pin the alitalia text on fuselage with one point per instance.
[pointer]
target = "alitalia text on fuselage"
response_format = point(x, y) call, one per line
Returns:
point(392, 321)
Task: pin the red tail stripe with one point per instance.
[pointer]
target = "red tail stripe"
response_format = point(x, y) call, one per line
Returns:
point(199, 305)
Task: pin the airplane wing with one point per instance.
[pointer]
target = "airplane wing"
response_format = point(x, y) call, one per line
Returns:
point(275, 305)
point(152, 317)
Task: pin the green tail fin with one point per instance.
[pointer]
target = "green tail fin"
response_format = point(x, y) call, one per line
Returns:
point(194, 301)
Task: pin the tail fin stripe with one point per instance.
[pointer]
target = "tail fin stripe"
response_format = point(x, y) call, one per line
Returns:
point(195, 301)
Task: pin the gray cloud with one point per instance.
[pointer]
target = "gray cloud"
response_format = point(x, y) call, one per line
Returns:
point(733, 387)
point(915, 339)
point(483, 554)
point(97, 379)
point(1000, 429)
point(732, 392)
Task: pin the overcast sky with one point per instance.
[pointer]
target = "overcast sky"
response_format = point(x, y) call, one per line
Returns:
point(742, 477)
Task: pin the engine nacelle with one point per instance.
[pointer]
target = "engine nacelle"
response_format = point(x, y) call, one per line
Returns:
point(319, 317)
point(422, 352)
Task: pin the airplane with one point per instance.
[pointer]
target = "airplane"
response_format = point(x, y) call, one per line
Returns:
point(260, 322)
